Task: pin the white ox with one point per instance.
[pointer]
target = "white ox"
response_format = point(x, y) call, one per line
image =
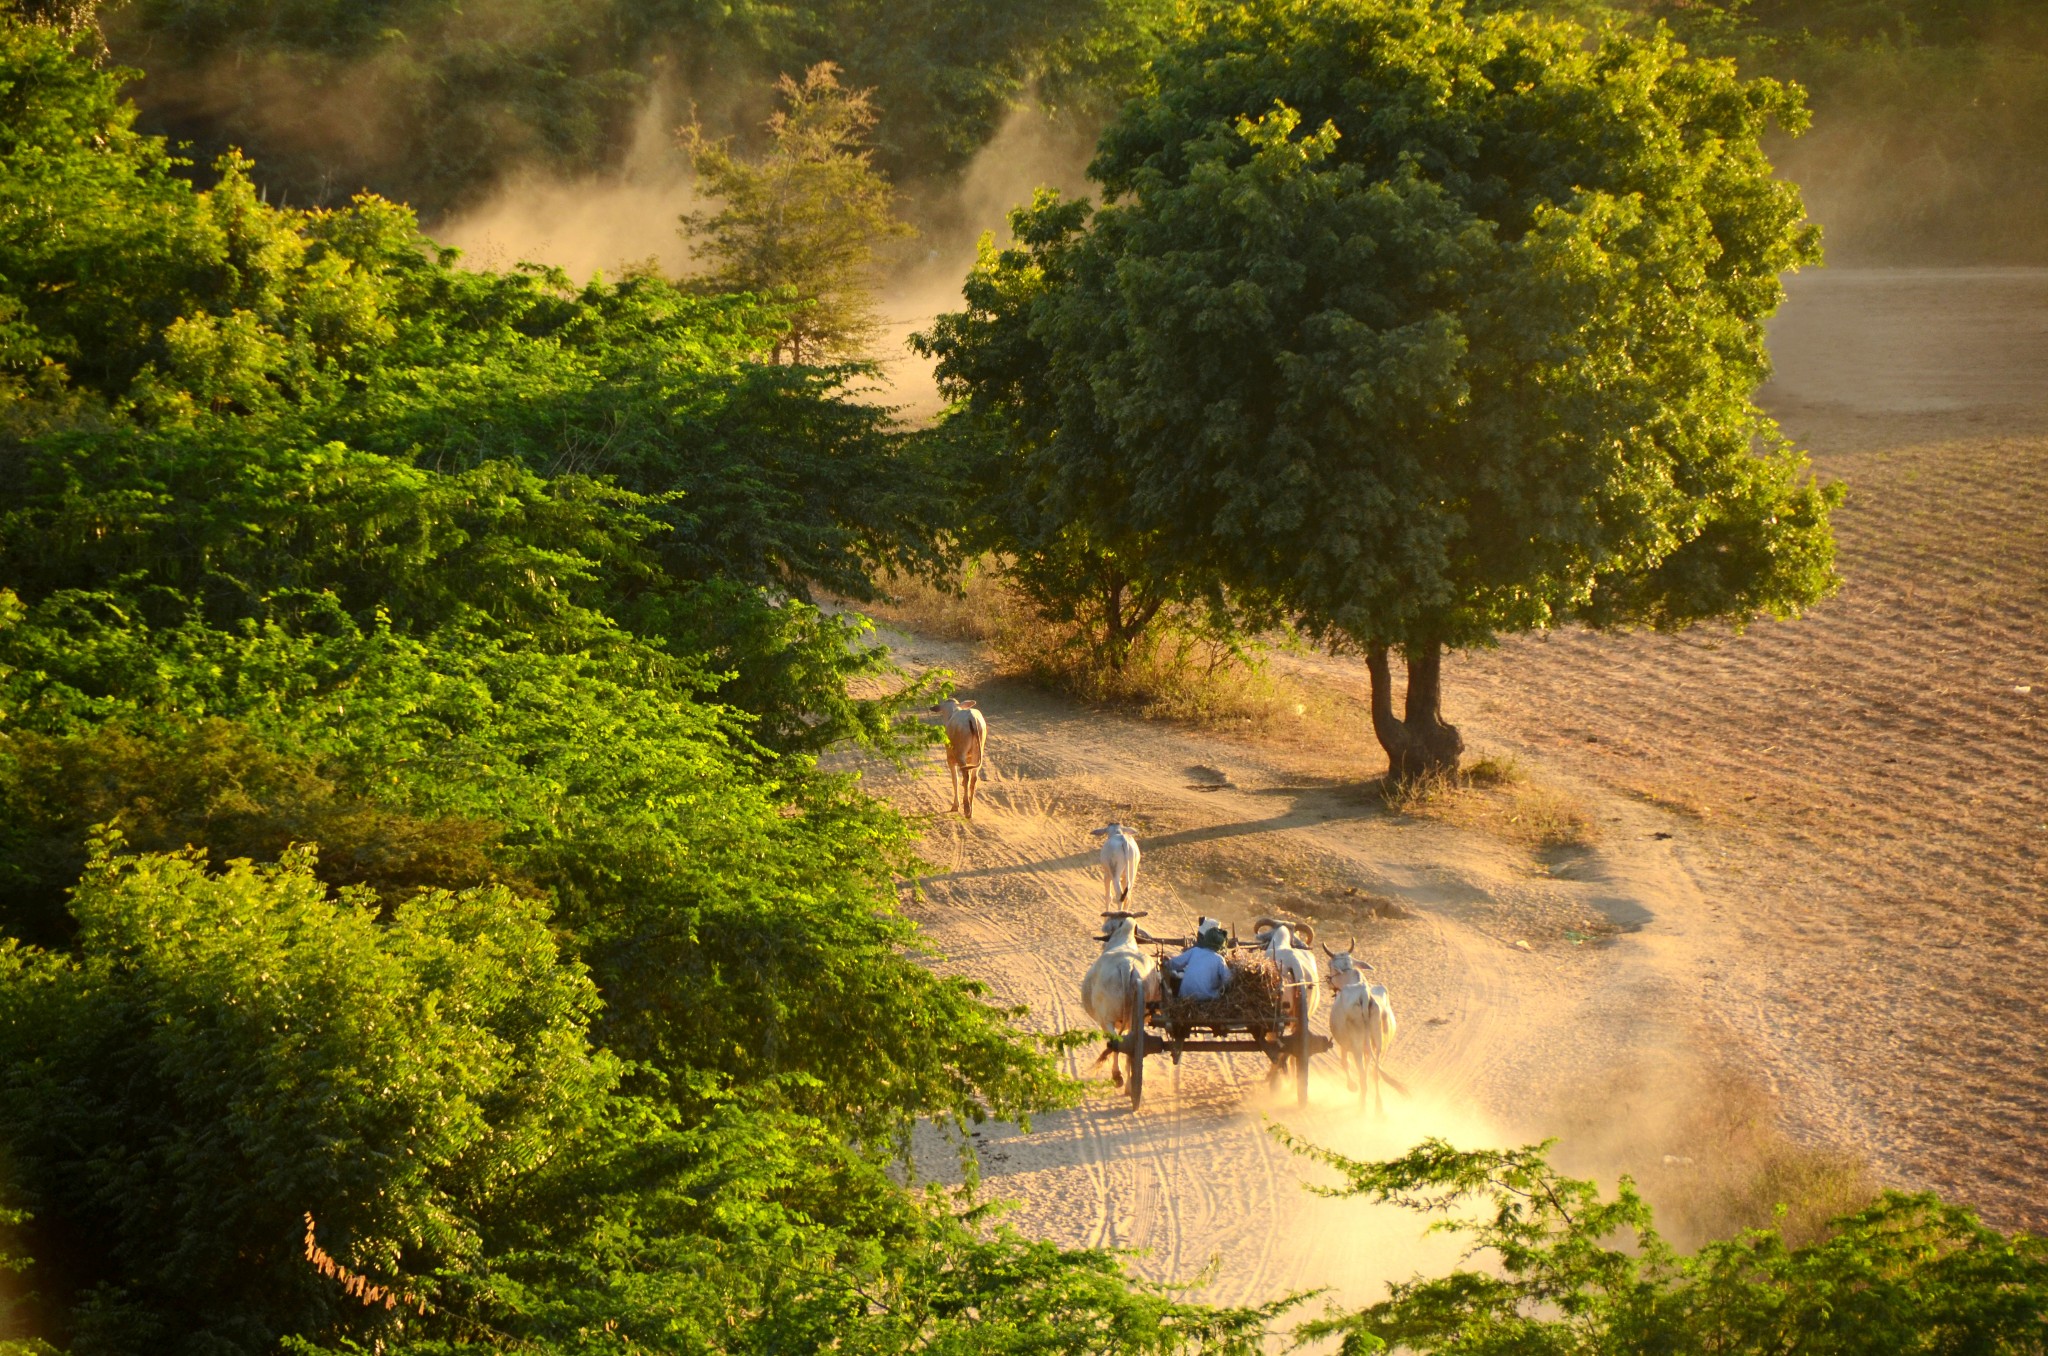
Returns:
point(1288, 944)
point(1361, 1024)
point(1119, 864)
point(1119, 984)
point(966, 736)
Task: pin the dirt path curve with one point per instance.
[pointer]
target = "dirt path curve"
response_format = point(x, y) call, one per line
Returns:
point(1489, 1031)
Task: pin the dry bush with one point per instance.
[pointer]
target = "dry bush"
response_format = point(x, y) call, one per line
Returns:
point(1173, 672)
point(973, 610)
point(1170, 674)
point(1494, 795)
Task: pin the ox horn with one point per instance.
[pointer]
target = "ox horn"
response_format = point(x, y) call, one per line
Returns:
point(1123, 913)
point(1306, 933)
point(1327, 952)
point(1265, 925)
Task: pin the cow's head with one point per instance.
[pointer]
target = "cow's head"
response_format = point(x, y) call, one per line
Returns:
point(1345, 968)
point(1120, 928)
point(1275, 935)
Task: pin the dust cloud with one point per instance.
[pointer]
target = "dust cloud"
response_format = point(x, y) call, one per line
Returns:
point(1354, 1246)
point(628, 218)
point(603, 223)
point(1199, 1192)
point(1028, 151)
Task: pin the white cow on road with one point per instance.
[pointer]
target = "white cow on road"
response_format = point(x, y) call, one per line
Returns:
point(1119, 864)
point(1288, 944)
point(1119, 984)
point(966, 737)
point(1361, 1024)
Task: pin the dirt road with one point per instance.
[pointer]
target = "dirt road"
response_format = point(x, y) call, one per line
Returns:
point(1620, 952)
point(1802, 835)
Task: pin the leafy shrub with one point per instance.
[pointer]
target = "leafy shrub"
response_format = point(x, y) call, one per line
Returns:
point(220, 1054)
point(1576, 1271)
point(216, 783)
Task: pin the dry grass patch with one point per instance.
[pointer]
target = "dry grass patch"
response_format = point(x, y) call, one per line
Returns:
point(1172, 673)
point(974, 610)
point(1494, 795)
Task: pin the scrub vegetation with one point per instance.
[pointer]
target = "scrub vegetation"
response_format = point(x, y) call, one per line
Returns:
point(427, 922)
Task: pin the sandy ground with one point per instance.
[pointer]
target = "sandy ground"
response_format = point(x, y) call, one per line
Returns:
point(1486, 1025)
point(1817, 857)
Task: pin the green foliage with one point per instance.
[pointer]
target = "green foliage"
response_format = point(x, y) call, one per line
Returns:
point(91, 235)
point(1578, 1272)
point(738, 915)
point(1111, 589)
point(212, 782)
point(807, 220)
point(240, 520)
point(1422, 328)
point(457, 98)
point(219, 1055)
point(594, 991)
point(748, 1234)
point(247, 336)
point(14, 1266)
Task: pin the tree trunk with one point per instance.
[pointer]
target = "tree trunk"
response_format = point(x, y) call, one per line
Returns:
point(1419, 743)
point(1121, 629)
point(1113, 624)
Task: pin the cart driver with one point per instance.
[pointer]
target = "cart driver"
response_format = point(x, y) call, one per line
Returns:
point(1200, 968)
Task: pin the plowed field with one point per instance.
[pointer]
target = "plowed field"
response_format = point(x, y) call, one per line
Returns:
point(1875, 776)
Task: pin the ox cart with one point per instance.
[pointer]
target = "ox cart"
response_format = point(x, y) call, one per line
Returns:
point(1258, 1014)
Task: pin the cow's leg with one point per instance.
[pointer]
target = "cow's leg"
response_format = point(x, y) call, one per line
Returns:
point(952, 780)
point(972, 776)
point(1345, 1057)
point(1116, 1075)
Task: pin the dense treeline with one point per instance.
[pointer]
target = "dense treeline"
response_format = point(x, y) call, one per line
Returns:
point(429, 102)
point(416, 861)
point(1929, 113)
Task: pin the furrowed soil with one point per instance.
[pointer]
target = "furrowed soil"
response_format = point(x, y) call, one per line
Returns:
point(1870, 783)
point(1805, 890)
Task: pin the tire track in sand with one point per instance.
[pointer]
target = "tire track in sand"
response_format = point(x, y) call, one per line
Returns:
point(1014, 899)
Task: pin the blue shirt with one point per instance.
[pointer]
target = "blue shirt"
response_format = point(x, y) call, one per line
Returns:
point(1202, 973)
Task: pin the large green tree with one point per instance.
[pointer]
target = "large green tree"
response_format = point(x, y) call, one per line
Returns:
point(1425, 327)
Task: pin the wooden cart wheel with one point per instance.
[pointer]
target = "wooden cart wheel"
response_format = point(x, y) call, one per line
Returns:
point(1134, 1050)
point(1301, 1046)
